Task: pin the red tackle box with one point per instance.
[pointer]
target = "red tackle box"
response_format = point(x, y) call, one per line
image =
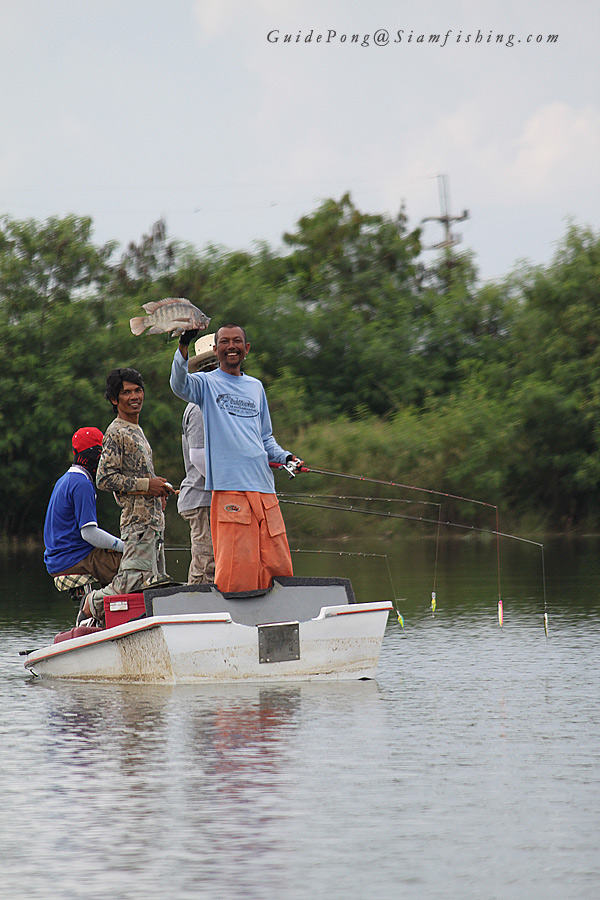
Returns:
point(122, 608)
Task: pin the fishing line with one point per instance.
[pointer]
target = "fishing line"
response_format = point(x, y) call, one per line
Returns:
point(500, 603)
point(437, 544)
point(395, 600)
point(412, 487)
point(295, 494)
point(356, 553)
point(446, 524)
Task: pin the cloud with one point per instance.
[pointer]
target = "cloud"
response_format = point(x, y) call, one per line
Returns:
point(552, 154)
point(188, 107)
point(218, 17)
point(213, 16)
point(558, 144)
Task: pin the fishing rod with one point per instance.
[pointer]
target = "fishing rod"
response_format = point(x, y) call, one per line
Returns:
point(355, 497)
point(439, 522)
point(339, 553)
point(293, 468)
point(283, 494)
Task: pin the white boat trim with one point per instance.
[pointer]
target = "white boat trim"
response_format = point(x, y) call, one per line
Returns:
point(340, 642)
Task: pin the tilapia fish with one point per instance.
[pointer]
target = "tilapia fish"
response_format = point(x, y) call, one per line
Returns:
point(174, 314)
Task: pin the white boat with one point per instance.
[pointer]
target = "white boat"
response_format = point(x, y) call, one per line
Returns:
point(301, 629)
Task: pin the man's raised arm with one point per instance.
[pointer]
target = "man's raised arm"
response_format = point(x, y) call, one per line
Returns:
point(182, 384)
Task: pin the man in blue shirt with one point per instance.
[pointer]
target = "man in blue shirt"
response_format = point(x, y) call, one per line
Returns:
point(248, 533)
point(74, 543)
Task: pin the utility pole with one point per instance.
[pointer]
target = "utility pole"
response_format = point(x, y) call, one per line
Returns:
point(446, 220)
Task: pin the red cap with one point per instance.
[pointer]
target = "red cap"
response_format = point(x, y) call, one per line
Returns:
point(85, 438)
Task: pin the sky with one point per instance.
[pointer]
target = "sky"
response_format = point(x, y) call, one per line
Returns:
point(200, 112)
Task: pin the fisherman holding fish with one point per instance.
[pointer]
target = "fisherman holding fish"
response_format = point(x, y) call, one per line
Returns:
point(248, 531)
point(127, 469)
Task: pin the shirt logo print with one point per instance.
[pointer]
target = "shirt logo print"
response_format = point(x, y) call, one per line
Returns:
point(237, 406)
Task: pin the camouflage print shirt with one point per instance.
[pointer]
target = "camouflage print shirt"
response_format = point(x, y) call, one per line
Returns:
point(125, 468)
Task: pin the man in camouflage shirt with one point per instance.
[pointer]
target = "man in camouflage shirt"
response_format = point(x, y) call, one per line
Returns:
point(126, 468)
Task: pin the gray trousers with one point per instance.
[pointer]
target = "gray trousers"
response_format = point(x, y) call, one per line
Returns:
point(202, 565)
point(143, 557)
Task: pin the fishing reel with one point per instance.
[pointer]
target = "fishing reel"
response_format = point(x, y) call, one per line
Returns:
point(292, 468)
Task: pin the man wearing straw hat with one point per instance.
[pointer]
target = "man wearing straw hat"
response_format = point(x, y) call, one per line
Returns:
point(193, 503)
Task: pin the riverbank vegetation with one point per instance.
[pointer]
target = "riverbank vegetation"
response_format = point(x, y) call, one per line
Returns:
point(374, 363)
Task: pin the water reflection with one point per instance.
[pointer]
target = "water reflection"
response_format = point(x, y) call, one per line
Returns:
point(468, 769)
point(205, 774)
point(233, 734)
point(463, 572)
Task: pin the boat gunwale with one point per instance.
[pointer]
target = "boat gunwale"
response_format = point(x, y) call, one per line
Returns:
point(135, 626)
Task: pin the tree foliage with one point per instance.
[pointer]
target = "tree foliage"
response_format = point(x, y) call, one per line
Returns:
point(374, 363)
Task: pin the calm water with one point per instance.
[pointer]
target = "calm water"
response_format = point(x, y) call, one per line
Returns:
point(468, 769)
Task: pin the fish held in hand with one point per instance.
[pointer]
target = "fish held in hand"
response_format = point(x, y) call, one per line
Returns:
point(174, 315)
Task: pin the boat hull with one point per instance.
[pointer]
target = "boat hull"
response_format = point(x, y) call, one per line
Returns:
point(339, 642)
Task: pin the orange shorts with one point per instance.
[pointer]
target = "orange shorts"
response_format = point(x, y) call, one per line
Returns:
point(249, 540)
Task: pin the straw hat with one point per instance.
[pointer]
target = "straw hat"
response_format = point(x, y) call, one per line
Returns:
point(205, 359)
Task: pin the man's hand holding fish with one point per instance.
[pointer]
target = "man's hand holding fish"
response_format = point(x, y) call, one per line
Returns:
point(173, 314)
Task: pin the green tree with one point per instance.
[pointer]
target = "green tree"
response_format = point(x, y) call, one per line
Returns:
point(355, 277)
point(372, 363)
point(63, 326)
point(553, 380)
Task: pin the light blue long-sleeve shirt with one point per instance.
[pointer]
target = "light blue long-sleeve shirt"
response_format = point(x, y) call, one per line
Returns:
point(238, 435)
